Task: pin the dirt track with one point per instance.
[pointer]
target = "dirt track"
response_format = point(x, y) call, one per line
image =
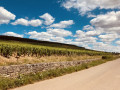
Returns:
point(102, 77)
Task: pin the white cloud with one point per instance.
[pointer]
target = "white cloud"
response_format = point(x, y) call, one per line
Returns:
point(84, 37)
point(84, 6)
point(4, 21)
point(59, 32)
point(48, 18)
point(87, 40)
point(93, 33)
point(61, 40)
point(21, 21)
point(12, 34)
point(80, 33)
point(118, 42)
point(109, 25)
point(63, 24)
point(25, 22)
point(35, 22)
point(88, 27)
point(5, 16)
point(105, 47)
point(50, 35)
point(78, 43)
point(109, 20)
point(108, 38)
point(46, 36)
point(40, 35)
point(90, 15)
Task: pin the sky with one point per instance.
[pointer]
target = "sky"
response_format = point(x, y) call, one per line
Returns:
point(93, 24)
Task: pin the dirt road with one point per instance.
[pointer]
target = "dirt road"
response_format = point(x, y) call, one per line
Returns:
point(102, 77)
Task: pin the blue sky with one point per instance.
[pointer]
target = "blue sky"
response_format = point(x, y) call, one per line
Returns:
point(92, 24)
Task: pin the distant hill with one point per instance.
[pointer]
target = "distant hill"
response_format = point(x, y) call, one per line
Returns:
point(38, 42)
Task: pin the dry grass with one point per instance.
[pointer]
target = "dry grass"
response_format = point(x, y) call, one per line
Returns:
point(66, 58)
point(32, 60)
point(7, 83)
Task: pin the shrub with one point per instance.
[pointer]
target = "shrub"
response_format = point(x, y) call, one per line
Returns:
point(107, 57)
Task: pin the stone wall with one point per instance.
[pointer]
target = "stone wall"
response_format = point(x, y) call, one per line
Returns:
point(15, 70)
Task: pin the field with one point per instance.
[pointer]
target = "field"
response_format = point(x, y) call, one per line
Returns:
point(21, 52)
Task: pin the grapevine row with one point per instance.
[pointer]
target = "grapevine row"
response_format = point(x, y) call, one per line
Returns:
point(17, 50)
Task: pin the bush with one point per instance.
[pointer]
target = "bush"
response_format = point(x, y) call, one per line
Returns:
point(107, 57)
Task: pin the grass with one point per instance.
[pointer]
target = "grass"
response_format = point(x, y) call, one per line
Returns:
point(32, 60)
point(7, 83)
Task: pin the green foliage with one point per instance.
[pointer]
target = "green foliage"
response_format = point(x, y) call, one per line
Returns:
point(107, 57)
point(7, 49)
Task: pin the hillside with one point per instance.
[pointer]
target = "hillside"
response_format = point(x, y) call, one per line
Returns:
point(14, 50)
point(38, 42)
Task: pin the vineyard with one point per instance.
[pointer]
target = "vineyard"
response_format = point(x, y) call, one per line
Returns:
point(17, 49)
point(39, 42)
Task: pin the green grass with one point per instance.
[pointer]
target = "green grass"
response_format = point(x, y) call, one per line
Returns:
point(7, 83)
point(8, 48)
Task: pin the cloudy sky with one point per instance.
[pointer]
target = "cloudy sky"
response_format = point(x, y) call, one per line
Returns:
point(93, 24)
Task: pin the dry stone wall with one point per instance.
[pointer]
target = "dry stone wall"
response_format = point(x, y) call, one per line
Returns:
point(15, 70)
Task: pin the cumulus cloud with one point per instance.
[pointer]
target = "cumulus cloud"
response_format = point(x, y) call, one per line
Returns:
point(35, 22)
point(61, 40)
point(88, 27)
point(104, 28)
point(109, 24)
point(63, 24)
point(118, 42)
point(48, 18)
point(46, 36)
point(84, 6)
point(84, 37)
point(25, 22)
point(109, 20)
point(80, 33)
point(59, 32)
point(105, 47)
point(90, 15)
point(12, 34)
point(40, 35)
point(93, 33)
point(81, 44)
point(108, 38)
point(5, 16)
point(20, 21)
point(50, 34)
point(93, 38)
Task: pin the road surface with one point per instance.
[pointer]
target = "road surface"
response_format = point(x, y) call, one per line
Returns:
point(102, 77)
